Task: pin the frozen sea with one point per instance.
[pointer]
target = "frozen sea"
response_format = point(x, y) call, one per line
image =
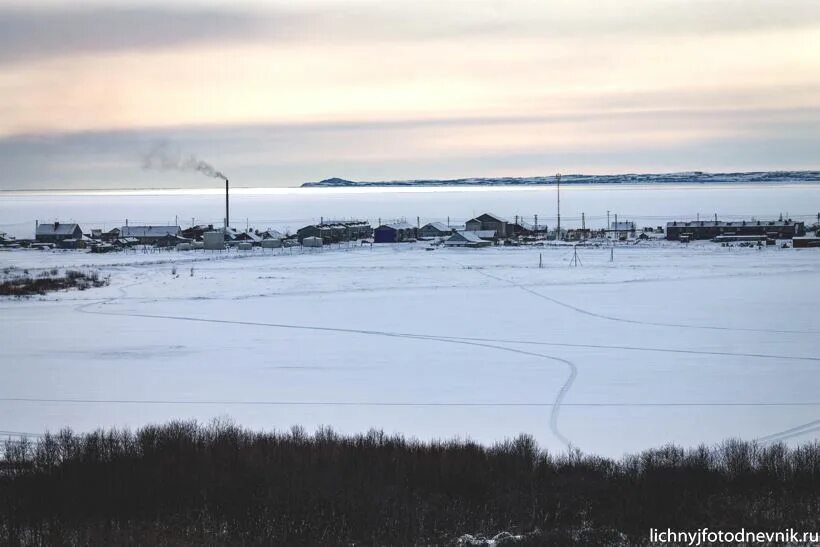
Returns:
point(663, 343)
point(292, 208)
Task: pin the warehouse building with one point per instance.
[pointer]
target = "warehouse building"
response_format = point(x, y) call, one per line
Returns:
point(153, 235)
point(488, 221)
point(395, 233)
point(336, 231)
point(709, 229)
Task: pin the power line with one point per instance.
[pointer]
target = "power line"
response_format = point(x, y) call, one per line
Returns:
point(411, 403)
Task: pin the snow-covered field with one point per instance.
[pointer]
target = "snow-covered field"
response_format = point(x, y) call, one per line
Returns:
point(666, 343)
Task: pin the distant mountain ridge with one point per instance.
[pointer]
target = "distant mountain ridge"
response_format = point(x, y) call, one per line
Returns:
point(650, 178)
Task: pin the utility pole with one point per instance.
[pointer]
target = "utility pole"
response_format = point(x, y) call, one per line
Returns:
point(583, 227)
point(558, 193)
point(608, 226)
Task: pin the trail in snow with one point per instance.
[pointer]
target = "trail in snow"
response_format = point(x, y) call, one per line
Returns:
point(796, 431)
point(783, 435)
point(555, 407)
point(634, 321)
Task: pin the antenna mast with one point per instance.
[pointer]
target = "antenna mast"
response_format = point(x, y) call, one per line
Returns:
point(558, 187)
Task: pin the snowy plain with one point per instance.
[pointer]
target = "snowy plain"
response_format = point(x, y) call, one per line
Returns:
point(666, 343)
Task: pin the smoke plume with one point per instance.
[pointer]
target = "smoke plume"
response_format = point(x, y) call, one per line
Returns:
point(165, 158)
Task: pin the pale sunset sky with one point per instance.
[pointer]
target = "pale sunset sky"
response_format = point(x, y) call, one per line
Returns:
point(280, 93)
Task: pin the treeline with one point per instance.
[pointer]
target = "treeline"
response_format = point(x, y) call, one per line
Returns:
point(185, 483)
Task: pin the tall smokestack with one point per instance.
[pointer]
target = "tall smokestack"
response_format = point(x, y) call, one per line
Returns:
point(227, 207)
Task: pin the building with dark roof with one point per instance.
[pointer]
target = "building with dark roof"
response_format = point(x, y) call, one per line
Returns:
point(435, 229)
point(395, 233)
point(151, 235)
point(488, 221)
point(709, 229)
point(55, 232)
point(336, 231)
point(467, 239)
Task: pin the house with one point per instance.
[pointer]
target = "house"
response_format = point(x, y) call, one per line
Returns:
point(249, 237)
point(56, 232)
point(435, 229)
point(467, 239)
point(622, 226)
point(151, 235)
point(197, 232)
point(394, 233)
point(486, 235)
point(336, 231)
point(171, 240)
point(271, 234)
point(710, 229)
point(111, 236)
point(521, 228)
point(578, 234)
point(487, 221)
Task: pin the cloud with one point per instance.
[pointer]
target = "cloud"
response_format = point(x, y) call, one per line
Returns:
point(63, 30)
point(289, 154)
point(27, 34)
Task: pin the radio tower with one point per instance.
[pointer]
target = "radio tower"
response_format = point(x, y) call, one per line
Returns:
point(558, 187)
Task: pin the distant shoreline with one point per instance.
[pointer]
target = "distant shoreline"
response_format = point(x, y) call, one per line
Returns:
point(693, 177)
point(663, 179)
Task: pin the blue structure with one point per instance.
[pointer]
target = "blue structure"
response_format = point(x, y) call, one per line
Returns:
point(394, 233)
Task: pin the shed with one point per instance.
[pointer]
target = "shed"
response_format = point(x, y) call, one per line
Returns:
point(312, 241)
point(214, 241)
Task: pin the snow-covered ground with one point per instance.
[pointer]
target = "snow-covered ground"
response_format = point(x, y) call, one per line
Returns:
point(667, 343)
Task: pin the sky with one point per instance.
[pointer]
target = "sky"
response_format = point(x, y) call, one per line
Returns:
point(279, 93)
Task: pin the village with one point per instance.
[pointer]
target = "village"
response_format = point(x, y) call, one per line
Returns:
point(484, 230)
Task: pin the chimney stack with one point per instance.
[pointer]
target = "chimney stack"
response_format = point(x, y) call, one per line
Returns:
point(227, 207)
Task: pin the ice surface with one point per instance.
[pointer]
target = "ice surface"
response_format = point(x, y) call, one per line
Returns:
point(668, 343)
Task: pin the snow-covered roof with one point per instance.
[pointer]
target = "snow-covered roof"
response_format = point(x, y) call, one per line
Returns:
point(440, 226)
point(56, 229)
point(149, 231)
point(471, 237)
point(492, 216)
point(731, 223)
point(525, 225)
point(271, 234)
point(482, 234)
point(249, 236)
point(397, 226)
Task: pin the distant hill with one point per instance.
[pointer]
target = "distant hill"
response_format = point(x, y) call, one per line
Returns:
point(652, 178)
